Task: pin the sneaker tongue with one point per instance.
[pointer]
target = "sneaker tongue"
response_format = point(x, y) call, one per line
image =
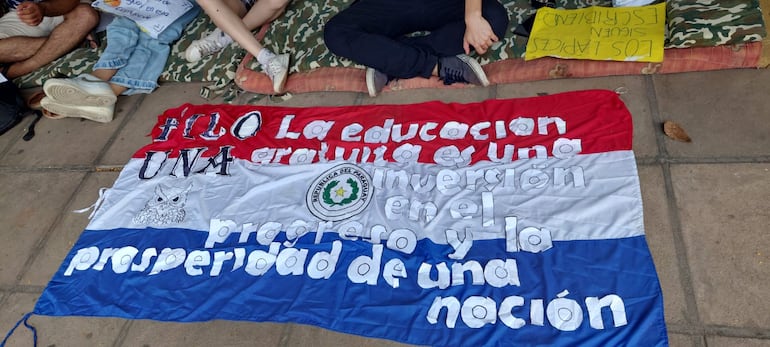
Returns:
point(224, 39)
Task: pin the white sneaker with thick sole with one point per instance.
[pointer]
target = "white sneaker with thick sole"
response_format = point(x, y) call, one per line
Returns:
point(83, 90)
point(278, 70)
point(101, 114)
point(212, 43)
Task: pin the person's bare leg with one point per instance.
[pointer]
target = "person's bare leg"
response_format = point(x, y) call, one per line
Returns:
point(18, 48)
point(227, 19)
point(264, 11)
point(66, 36)
point(106, 75)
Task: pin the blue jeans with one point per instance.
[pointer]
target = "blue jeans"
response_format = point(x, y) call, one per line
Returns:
point(138, 57)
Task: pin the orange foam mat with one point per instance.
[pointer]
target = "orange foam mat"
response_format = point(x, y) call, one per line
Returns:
point(515, 70)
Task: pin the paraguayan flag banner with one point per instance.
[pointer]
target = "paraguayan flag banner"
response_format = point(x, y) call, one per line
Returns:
point(505, 222)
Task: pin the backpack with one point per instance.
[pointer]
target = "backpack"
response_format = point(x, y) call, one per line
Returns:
point(13, 109)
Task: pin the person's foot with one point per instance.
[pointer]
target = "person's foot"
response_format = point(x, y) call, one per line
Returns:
point(461, 68)
point(83, 90)
point(375, 81)
point(91, 41)
point(278, 70)
point(33, 102)
point(55, 109)
point(212, 43)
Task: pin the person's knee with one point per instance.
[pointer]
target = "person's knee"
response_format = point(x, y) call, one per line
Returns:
point(277, 6)
point(210, 3)
point(334, 37)
point(83, 14)
point(497, 16)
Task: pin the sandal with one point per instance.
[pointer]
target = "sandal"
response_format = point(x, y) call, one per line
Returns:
point(51, 115)
point(91, 41)
point(34, 101)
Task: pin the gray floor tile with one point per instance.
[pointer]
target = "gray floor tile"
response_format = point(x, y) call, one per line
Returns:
point(56, 331)
point(14, 135)
point(305, 335)
point(17, 132)
point(718, 341)
point(66, 232)
point(68, 141)
point(660, 239)
point(634, 89)
point(216, 333)
point(31, 204)
point(724, 112)
point(724, 215)
point(76, 331)
point(314, 99)
point(678, 340)
point(135, 134)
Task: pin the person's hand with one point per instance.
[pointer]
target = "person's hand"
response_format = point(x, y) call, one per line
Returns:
point(30, 13)
point(479, 34)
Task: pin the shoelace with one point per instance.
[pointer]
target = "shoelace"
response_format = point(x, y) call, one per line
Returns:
point(207, 46)
point(273, 67)
point(452, 76)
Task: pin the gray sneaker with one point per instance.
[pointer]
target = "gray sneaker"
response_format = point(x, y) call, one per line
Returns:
point(375, 81)
point(278, 70)
point(461, 68)
point(212, 43)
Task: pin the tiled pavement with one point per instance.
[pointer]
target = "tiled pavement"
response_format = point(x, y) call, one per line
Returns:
point(706, 204)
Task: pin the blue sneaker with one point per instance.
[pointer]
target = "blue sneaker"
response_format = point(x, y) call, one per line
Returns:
point(461, 68)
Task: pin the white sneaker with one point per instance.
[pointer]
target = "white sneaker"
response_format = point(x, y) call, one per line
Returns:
point(212, 43)
point(278, 70)
point(375, 81)
point(101, 114)
point(83, 90)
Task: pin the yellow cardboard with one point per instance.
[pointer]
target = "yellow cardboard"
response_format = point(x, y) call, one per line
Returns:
point(599, 33)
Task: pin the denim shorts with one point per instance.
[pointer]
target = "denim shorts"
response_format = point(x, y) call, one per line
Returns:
point(138, 57)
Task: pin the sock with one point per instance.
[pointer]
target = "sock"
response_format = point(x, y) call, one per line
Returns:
point(265, 56)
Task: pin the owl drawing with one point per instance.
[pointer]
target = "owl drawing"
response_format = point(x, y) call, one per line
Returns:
point(166, 207)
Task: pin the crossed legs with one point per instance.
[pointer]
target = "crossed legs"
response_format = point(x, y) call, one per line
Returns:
point(232, 17)
point(30, 53)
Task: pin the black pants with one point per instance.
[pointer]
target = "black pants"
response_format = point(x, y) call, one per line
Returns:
point(372, 33)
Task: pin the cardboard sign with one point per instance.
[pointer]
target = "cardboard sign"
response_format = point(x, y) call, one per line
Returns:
point(599, 33)
point(153, 16)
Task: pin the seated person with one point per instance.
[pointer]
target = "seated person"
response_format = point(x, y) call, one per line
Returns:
point(373, 33)
point(131, 63)
point(33, 34)
point(235, 19)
